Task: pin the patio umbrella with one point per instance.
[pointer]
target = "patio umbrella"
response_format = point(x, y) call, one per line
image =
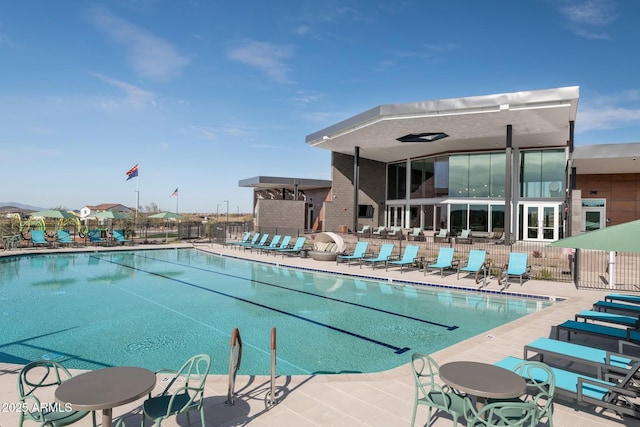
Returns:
point(166, 215)
point(617, 238)
point(55, 213)
point(111, 215)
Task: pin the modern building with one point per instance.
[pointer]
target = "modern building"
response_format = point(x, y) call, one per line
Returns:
point(484, 163)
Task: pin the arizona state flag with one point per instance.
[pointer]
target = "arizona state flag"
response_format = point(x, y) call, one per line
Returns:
point(132, 173)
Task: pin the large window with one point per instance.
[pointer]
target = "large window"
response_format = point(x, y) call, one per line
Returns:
point(477, 175)
point(542, 173)
point(429, 178)
point(396, 181)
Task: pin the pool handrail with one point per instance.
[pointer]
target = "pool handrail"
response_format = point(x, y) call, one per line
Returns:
point(234, 364)
point(272, 394)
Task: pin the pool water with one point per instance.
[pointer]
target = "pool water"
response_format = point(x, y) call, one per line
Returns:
point(156, 308)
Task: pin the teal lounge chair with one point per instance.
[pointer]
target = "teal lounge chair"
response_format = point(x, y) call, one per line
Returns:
point(64, 238)
point(359, 252)
point(273, 244)
point(517, 267)
point(597, 330)
point(297, 247)
point(383, 256)
point(603, 316)
point(633, 299)
point(118, 236)
point(244, 239)
point(591, 390)
point(284, 244)
point(410, 257)
point(475, 264)
point(38, 238)
point(254, 241)
point(261, 242)
point(95, 236)
point(602, 360)
point(445, 260)
point(606, 306)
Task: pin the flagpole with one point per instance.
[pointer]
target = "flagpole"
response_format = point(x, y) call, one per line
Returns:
point(177, 195)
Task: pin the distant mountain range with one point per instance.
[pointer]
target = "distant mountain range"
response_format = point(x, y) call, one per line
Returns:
point(20, 206)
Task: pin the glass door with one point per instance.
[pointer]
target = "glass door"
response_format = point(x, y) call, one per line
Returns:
point(395, 216)
point(541, 222)
point(593, 214)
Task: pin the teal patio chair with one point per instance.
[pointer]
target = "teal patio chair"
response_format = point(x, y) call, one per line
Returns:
point(261, 242)
point(95, 236)
point(383, 256)
point(410, 257)
point(284, 244)
point(253, 241)
point(475, 264)
point(64, 238)
point(359, 252)
point(244, 239)
point(38, 238)
point(184, 392)
point(37, 382)
point(295, 250)
point(118, 236)
point(431, 394)
point(503, 413)
point(272, 244)
point(517, 267)
point(445, 260)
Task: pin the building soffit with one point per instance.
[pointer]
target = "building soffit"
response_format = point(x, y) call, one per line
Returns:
point(539, 119)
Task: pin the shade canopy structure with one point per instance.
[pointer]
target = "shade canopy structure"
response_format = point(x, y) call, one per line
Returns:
point(617, 238)
point(54, 213)
point(111, 215)
point(166, 215)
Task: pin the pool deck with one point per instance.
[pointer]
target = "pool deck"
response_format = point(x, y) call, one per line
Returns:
point(381, 399)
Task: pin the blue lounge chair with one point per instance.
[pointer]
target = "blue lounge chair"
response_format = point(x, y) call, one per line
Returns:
point(284, 244)
point(244, 239)
point(297, 247)
point(616, 306)
point(95, 236)
point(359, 252)
point(118, 236)
point(64, 238)
point(253, 241)
point(475, 264)
point(38, 238)
point(273, 244)
point(597, 330)
point(445, 260)
point(261, 242)
point(383, 256)
point(587, 389)
point(517, 267)
point(602, 316)
point(634, 299)
point(601, 360)
point(410, 257)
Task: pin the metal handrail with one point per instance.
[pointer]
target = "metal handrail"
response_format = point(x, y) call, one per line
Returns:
point(272, 394)
point(234, 363)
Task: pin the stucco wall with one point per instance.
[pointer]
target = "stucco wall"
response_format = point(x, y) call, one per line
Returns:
point(280, 213)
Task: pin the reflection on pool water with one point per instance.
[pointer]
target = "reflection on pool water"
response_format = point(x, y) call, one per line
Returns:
point(156, 308)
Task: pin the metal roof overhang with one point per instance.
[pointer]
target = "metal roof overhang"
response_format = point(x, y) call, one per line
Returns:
point(274, 182)
point(606, 158)
point(538, 118)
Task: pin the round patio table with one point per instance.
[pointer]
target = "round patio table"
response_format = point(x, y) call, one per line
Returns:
point(483, 380)
point(105, 389)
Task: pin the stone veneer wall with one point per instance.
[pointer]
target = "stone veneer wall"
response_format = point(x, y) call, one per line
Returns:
point(339, 210)
point(621, 192)
point(280, 213)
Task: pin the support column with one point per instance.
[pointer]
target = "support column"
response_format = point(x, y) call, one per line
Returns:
point(356, 186)
point(508, 187)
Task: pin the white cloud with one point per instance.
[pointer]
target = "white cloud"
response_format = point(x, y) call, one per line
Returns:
point(133, 94)
point(607, 118)
point(267, 57)
point(151, 56)
point(588, 17)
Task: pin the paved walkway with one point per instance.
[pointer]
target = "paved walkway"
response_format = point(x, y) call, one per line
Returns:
point(382, 399)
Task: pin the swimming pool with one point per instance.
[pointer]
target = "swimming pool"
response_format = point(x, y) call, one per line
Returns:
point(156, 308)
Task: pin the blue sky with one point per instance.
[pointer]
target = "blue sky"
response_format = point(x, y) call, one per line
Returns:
point(202, 94)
